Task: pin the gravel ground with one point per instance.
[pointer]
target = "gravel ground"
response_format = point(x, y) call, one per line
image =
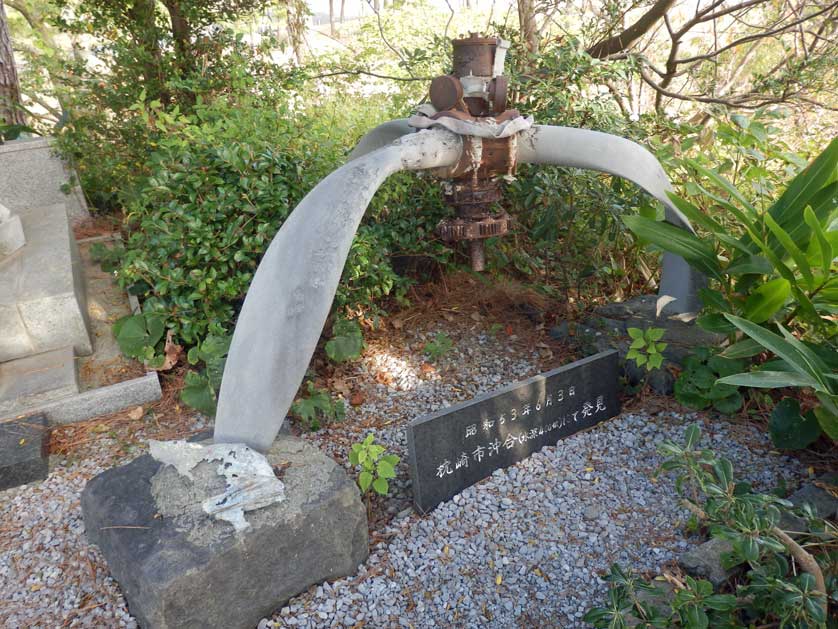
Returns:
point(522, 548)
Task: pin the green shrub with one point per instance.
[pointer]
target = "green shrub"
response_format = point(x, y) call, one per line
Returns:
point(785, 582)
point(697, 386)
point(318, 407)
point(771, 269)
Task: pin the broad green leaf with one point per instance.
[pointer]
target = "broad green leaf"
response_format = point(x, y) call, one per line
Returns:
point(364, 481)
point(758, 265)
point(655, 334)
point(695, 215)
point(788, 209)
point(347, 342)
point(678, 241)
point(746, 348)
point(792, 250)
point(721, 602)
point(791, 430)
point(767, 299)
point(385, 470)
point(198, 393)
point(816, 365)
point(713, 299)
point(820, 237)
point(692, 435)
point(725, 366)
point(734, 243)
point(779, 346)
point(741, 121)
point(381, 486)
point(135, 333)
point(769, 380)
point(828, 421)
point(695, 617)
point(715, 322)
point(724, 184)
point(730, 404)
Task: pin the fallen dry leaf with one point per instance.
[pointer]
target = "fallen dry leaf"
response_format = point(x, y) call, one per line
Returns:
point(357, 398)
point(385, 378)
point(136, 413)
point(427, 368)
point(172, 352)
point(339, 385)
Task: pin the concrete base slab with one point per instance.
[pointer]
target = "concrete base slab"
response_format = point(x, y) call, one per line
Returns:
point(100, 401)
point(33, 175)
point(37, 380)
point(179, 567)
point(23, 451)
point(42, 297)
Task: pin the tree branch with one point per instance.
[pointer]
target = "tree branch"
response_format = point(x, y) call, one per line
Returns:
point(630, 35)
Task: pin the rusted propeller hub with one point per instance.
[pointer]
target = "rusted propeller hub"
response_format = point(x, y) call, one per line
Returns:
point(476, 91)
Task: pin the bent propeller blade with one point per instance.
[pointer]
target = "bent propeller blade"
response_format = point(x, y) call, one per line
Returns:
point(292, 291)
point(594, 150)
point(382, 135)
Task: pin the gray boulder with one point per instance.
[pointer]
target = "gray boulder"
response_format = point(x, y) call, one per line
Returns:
point(705, 561)
point(180, 568)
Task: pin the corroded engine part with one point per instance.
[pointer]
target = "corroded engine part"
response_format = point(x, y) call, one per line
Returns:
point(476, 91)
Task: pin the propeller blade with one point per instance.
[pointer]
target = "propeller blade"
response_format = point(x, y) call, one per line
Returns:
point(593, 150)
point(382, 135)
point(292, 291)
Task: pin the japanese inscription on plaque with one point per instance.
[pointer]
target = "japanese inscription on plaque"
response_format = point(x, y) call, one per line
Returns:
point(456, 447)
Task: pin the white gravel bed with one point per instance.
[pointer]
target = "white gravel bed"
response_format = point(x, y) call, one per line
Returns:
point(522, 548)
point(525, 547)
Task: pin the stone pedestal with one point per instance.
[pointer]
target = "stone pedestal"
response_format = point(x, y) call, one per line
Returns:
point(11, 234)
point(42, 296)
point(180, 568)
point(32, 174)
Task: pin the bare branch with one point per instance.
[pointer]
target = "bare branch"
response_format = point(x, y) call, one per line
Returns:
point(368, 73)
point(750, 38)
point(633, 33)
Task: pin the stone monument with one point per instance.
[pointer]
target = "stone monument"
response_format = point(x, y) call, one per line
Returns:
point(159, 520)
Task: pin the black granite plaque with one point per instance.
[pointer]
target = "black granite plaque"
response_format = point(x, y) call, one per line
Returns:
point(460, 445)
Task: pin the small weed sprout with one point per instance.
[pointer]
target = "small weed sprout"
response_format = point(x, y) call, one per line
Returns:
point(377, 468)
point(438, 347)
point(645, 350)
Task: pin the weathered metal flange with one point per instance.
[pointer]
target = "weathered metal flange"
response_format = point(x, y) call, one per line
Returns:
point(446, 92)
point(474, 55)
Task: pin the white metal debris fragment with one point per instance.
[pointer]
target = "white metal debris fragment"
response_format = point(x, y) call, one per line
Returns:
point(251, 482)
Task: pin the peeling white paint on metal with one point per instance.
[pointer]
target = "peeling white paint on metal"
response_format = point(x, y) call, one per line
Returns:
point(251, 482)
